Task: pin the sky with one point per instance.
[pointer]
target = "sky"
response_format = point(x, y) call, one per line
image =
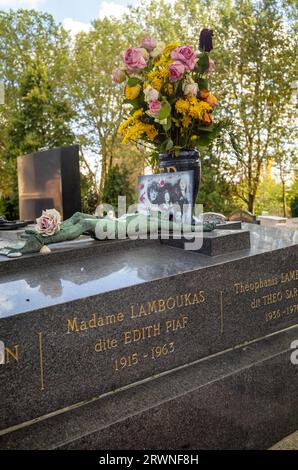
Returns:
point(75, 15)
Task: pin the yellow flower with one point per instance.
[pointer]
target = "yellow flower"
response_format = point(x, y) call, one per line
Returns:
point(157, 84)
point(163, 61)
point(182, 106)
point(134, 132)
point(123, 126)
point(132, 92)
point(192, 108)
point(186, 121)
point(171, 46)
point(168, 88)
point(137, 114)
point(131, 121)
point(199, 109)
point(164, 72)
point(152, 75)
point(156, 79)
point(151, 131)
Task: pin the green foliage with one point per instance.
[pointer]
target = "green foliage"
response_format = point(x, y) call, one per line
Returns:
point(37, 112)
point(294, 198)
point(215, 193)
point(55, 90)
point(43, 117)
point(269, 197)
point(117, 184)
point(89, 196)
point(9, 206)
point(294, 207)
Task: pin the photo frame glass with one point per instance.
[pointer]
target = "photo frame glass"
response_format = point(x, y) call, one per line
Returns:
point(168, 193)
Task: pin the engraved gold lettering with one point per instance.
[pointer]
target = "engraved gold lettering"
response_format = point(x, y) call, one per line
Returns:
point(12, 354)
point(139, 334)
point(72, 325)
point(161, 305)
point(176, 324)
point(289, 276)
point(106, 343)
point(290, 293)
point(93, 322)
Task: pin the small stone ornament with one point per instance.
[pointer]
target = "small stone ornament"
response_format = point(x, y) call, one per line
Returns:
point(45, 250)
point(14, 254)
point(214, 217)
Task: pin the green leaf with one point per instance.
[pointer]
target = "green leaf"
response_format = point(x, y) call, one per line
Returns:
point(203, 84)
point(165, 110)
point(204, 141)
point(203, 62)
point(166, 145)
point(205, 129)
point(169, 145)
point(133, 81)
point(136, 103)
point(168, 124)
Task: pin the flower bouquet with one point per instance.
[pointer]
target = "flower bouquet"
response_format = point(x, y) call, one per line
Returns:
point(166, 86)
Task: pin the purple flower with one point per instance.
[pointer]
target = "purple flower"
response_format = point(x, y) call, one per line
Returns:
point(206, 40)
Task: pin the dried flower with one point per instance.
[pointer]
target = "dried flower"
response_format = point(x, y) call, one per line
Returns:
point(206, 40)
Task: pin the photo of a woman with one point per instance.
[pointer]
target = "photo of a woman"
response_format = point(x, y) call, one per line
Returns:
point(168, 193)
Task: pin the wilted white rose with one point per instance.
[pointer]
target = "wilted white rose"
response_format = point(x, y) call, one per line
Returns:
point(150, 94)
point(49, 222)
point(158, 50)
point(189, 87)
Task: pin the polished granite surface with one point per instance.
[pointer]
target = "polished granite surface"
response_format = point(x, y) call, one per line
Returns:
point(45, 284)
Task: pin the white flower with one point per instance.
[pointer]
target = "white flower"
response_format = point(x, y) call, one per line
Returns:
point(150, 94)
point(49, 222)
point(189, 87)
point(158, 50)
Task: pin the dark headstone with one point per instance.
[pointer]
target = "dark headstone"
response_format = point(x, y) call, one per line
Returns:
point(49, 179)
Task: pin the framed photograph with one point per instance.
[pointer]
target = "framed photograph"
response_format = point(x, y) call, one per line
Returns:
point(168, 193)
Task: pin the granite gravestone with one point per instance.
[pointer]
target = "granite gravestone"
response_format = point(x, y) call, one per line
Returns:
point(49, 179)
point(96, 318)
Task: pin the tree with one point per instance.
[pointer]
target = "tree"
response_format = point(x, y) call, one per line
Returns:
point(117, 184)
point(97, 99)
point(37, 113)
point(215, 193)
point(43, 117)
point(256, 64)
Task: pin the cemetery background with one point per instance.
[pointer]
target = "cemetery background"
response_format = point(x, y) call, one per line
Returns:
point(225, 316)
point(62, 83)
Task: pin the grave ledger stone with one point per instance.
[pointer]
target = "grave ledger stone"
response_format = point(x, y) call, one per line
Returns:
point(136, 344)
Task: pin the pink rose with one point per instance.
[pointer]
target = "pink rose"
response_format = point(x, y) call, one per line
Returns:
point(118, 75)
point(186, 55)
point(148, 43)
point(49, 222)
point(154, 108)
point(211, 67)
point(133, 59)
point(176, 71)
